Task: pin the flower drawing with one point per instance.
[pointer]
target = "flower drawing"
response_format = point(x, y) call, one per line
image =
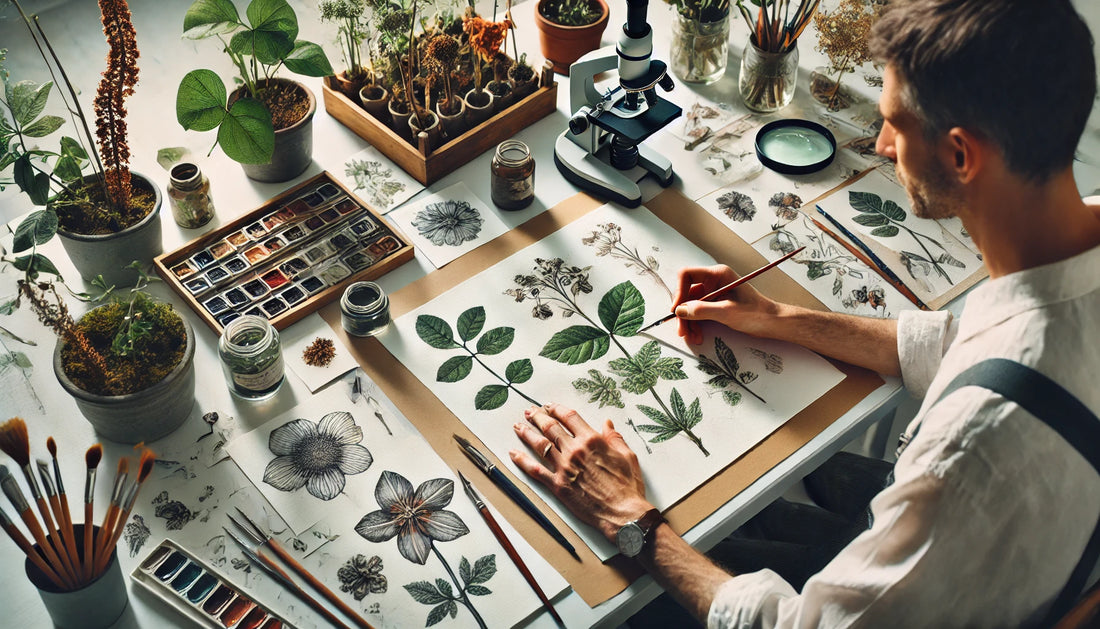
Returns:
point(361, 575)
point(376, 179)
point(786, 205)
point(416, 519)
point(737, 205)
point(608, 240)
point(316, 456)
point(448, 222)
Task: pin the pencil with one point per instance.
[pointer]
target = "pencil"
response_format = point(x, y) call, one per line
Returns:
point(868, 257)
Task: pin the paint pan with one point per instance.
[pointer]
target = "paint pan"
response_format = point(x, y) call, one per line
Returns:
point(200, 592)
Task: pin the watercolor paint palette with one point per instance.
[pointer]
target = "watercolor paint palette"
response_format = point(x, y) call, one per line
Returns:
point(200, 592)
point(285, 259)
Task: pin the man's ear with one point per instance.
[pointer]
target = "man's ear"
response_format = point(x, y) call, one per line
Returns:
point(963, 154)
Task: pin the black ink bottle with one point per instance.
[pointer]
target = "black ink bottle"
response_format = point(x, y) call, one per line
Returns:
point(365, 309)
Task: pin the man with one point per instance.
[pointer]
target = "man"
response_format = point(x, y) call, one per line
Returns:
point(983, 105)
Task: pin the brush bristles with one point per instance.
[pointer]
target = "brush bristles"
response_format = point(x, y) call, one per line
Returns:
point(145, 467)
point(123, 466)
point(93, 456)
point(14, 441)
point(51, 445)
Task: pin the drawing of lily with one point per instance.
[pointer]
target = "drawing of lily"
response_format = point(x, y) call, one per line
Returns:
point(316, 456)
point(448, 222)
point(608, 240)
point(418, 520)
point(886, 218)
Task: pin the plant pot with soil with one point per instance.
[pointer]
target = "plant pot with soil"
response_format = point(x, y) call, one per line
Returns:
point(292, 106)
point(569, 28)
point(374, 98)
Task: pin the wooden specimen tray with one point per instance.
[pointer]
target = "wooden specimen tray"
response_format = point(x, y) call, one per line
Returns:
point(285, 259)
point(427, 166)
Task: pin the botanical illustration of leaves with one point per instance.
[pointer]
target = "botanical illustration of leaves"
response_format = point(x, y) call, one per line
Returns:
point(725, 356)
point(622, 310)
point(484, 569)
point(490, 397)
point(947, 258)
point(694, 413)
point(679, 411)
point(872, 220)
point(440, 612)
point(435, 332)
point(464, 570)
point(661, 434)
point(708, 366)
point(496, 340)
point(425, 593)
point(669, 368)
point(772, 362)
point(478, 590)
point(444, 588)
point(893, 210)
point(865, 201)
point(838, 285)
point(886, 231)
point(720, 381)
point(637, 378)
point(733, 398)
point(602, 388)
point(658, 416)
point(747, 377)
point(471, 322)
point(455, 369)
point(519, 371)
point(576, 344)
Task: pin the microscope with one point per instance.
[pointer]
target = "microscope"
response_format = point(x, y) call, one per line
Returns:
point(606, 132)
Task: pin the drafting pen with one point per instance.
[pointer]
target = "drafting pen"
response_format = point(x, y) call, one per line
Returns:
point(517, 496)
point(479, 504)
point(728, 287)
point(875, 261)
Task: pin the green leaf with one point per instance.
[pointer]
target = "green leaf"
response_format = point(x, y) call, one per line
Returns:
point(725, 356)
point(658, 416)
point(602, 389)
point(865, 201)
point(471, 322)
point(720, 381)
point(200, 101)
point(27, 99)
point(664, 435)
point(679, 411)
point(424, 592)
point(947, 258)
point(893, 210)
point(622, 310)
point(670, 369)
point(72, 148)
point(519, 371)
point(67, 168)
point(247, 135)
point(733, 398)
point(35, 263)
point(871, 220)
point(576, 344)
point(637, 376)
point(484, 569)
point(437, 614)
point(308, 59)
point(167, 157)
point(21, 360)
point(478, 590)
point(490, 397)
point(206, 18)
point(269, 48)
point(34, 183)
point(708, 366)
point(495, 341)
point(694, 413)
point(273, 16)
point(454, 369)
point(886, 231)
point(43, 126)
point(435, 332)
point(36, 229)
point(444, 588)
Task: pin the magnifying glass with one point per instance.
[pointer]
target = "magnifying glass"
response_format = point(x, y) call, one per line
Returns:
point(795, 147)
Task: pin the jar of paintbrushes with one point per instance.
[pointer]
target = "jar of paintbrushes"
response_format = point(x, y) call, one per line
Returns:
point(769, 63)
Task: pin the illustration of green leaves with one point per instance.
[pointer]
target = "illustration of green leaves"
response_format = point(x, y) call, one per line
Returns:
point(886, 218)
point(456, 368)
point(471, 322)
point(519, 371)
point(490, 397)
point(622, 310)
point(641, 371)
point(495, 341)
point(733, 398)
point(482, 571)
point(680, 419)
point(576, 344)
point(425, 593)
point(602, 389)
point(435, 332)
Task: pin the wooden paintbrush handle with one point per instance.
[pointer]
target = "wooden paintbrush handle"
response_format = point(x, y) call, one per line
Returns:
point(68, 534)
point(32, 554)
point(278, 549)
point(40, 538)
point(51, 536)
point(89, 543)
point(302, 594)
point(102, 550)
point(61, 541)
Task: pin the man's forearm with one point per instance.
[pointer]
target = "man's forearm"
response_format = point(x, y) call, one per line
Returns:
point(862, 341)
point(685, 573)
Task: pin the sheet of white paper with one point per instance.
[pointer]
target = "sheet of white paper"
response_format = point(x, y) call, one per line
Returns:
point(449, 223)
point(378, 181)
point(504, 340)
point(301, 335)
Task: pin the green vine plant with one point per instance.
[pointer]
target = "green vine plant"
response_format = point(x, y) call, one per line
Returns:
point(442, 597)
point(726, 371)
point(438, 334)
point(886, 217)
point(620, 314)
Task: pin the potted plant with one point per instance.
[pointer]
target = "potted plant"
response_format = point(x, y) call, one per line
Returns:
point(700, 40)
point(350, 18)
point(441, 55)
point(485, 38)
point(110, 216)
point(569, 28)
point(266, 123)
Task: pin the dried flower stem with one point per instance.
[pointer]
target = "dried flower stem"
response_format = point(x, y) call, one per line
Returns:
point(117, 83)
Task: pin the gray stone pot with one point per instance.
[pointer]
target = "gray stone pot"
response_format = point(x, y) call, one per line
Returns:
point(109, 254)
point(293, 147)
point(146, 415)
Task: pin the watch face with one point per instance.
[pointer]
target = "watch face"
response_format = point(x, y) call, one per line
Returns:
point(630, 539)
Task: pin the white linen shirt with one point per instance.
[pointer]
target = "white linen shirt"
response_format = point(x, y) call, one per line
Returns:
point(990, 509)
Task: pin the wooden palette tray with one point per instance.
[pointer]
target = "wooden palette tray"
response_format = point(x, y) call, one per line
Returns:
point(427, 166)
point(285, 259)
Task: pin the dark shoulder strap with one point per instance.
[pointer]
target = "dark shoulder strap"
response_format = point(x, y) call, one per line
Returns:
point(1065, 414)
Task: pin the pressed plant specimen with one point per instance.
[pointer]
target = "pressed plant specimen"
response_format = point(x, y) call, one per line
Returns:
point(843, 35)
point(418, 520)
point(438, 333)
point(376, 179)
point(726, 371)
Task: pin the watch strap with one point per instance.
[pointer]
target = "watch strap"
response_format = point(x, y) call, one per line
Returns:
point(649, 521)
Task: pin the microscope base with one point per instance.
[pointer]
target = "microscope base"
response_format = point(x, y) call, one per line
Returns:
point(589, 172)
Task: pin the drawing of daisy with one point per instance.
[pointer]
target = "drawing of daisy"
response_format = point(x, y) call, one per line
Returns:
point(448, 222)
point(316, 456)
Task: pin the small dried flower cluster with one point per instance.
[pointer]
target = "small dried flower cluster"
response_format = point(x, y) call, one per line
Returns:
point(843, 35)
point(786, 205)
point(485, 36)
point(737, 205)
point(319, 353)
point(552, 282)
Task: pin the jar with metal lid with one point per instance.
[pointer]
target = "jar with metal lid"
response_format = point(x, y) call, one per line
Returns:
point(189, 196)
point(513, 176)
point(365, 309)
point(252, 358)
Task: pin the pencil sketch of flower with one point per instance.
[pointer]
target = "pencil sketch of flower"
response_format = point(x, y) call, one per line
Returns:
point(376, 180)
point(608, 240)
point(316, 456)
point(361, 576)
point(175, 513)
point(418, 520)
point(786, 205)
point(873, 297)
point(738, 206)
point(448, 222)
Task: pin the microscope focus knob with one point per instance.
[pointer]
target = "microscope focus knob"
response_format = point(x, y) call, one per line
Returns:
point(578, 124)
point(666, 83)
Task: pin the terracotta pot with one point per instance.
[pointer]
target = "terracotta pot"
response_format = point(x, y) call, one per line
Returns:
point(146, 415)
point(109, 254)
point(347, 86)
point(433, 129)
point(399, 121)
point(480, 108)
point(293, 145)
point(562, 45)
point(504, 95)
point(455, 124)
point(374, 98)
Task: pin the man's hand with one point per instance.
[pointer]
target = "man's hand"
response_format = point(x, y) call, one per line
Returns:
point(595, 474)
point(743, 309)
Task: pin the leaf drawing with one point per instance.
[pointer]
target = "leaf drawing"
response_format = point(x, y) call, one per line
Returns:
point(316, 456)
point(375, 179)
point(448, 222)
point(726, 371)
point(886, 218)
point(772, 362)
point(576, 344)
point(602, 389)
point(641, 371)
point(608, 240)
point(470, 326)
point(676, 419)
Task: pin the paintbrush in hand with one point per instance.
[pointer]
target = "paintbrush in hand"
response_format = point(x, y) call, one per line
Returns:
point(25, 545)
point(145, 467)
point(91, 458)
point(14, 443)
point(15, 495)
point(68, 535)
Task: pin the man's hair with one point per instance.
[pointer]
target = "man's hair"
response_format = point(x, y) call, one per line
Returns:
point(1020, 73)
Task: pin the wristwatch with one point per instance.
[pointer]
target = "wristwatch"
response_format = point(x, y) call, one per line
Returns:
point(632, 536)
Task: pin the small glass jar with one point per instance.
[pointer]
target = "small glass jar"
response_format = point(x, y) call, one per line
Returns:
point(699, 49)
point(252, 358)
point(513, 181)
point(767, 79)
point(365, 309)
point(189, 196)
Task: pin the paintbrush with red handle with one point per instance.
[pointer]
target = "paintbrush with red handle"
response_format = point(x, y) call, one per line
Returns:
point(145, 467)
point(68, 535)
point(91, 458)
point(19, 501)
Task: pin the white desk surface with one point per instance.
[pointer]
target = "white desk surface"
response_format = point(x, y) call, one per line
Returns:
point(74, 30)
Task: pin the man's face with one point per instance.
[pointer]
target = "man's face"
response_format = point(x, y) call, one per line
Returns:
point(932, 193)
